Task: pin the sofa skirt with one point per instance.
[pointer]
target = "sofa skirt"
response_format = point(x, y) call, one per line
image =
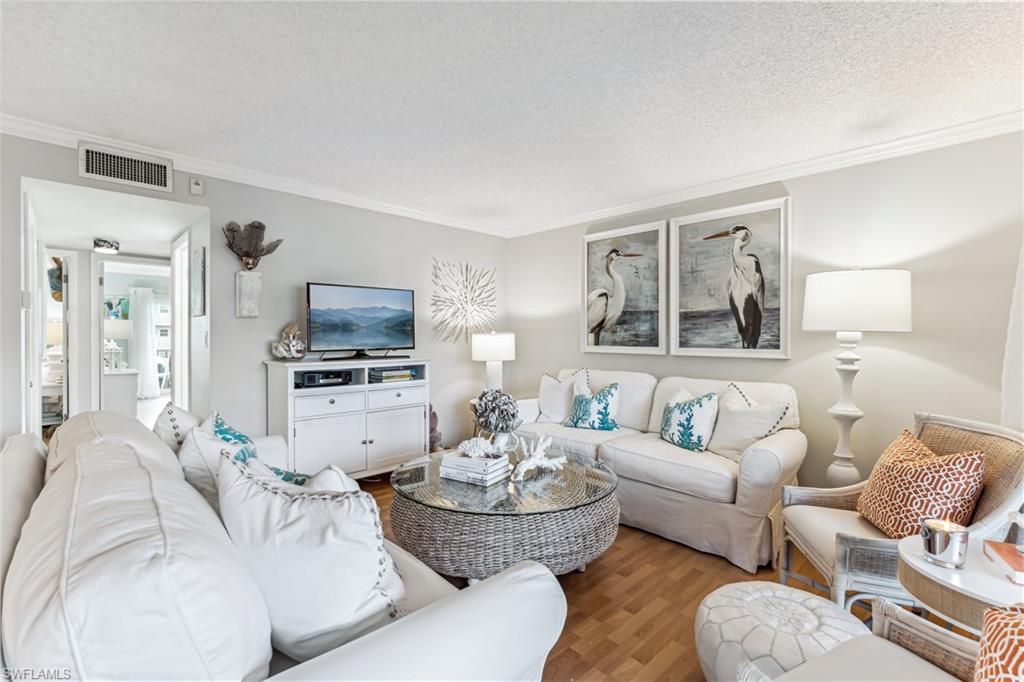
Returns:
point(744, 539)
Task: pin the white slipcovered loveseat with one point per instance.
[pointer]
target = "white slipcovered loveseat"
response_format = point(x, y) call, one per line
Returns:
point(703, 500)
point(114, 567)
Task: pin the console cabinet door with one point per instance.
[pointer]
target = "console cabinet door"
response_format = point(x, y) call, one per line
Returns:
point(337, 440)
point(395, 435)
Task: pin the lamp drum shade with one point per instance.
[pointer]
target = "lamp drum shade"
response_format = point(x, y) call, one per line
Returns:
point(857, 301)
point(493, 347)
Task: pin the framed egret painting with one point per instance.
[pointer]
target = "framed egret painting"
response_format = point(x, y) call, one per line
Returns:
point(624, 290)
point(729, 282)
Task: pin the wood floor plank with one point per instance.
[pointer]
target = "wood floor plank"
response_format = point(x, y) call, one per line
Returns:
point(631, 612)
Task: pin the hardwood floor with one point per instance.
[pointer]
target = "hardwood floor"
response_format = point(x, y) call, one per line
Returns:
point(631, 613)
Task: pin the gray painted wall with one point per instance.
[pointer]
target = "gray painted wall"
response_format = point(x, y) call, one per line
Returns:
point(952, 216)
point(323, 242)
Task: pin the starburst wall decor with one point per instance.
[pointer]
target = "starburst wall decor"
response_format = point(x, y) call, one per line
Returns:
point(463, 302)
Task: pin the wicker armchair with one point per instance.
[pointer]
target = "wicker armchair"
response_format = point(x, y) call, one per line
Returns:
point(856, 557)
point(937, 653)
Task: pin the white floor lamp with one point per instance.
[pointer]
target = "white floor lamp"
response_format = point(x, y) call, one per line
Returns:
point(850, 302)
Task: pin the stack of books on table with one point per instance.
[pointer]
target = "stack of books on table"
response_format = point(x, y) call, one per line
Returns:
point(383, 376)
point(1008, 560)
point(476, 470)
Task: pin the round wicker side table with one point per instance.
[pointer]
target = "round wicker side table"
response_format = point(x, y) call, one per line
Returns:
point(563, 519)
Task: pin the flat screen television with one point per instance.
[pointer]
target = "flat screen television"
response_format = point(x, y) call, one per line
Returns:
point(341, 317)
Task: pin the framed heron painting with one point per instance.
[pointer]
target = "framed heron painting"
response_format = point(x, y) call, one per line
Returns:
point(624, 290)
point(729, 281)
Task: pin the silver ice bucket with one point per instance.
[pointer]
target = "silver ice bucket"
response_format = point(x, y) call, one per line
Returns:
point(945, 543)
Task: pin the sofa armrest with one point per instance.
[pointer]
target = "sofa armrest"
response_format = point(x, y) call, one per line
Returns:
point(944, 649)
point(766, 466)
point(834, 498)
point(529, 409)
point(499, 629)
point(272, 450)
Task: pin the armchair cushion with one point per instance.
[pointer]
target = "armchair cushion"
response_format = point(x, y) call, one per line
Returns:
point(910, 483)
point(579, 441)
point(647, 458)
point(814, 529)
point(867, 658)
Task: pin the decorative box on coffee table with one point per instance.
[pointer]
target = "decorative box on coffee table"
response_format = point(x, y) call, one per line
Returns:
point(563, 519)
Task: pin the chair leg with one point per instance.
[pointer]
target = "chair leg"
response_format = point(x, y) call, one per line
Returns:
point(787, 561)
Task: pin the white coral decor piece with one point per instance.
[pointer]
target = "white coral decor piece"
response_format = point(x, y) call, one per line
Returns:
point(535, 458)
point(477, 447)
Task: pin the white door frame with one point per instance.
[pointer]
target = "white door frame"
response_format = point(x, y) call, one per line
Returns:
point(181, 318)
point(97, 263)
point(31, 321)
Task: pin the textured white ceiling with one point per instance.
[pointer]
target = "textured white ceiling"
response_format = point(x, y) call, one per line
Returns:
point(509, 114)
point(71, 216)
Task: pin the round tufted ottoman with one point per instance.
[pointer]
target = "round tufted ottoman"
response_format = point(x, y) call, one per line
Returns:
point(774, 626)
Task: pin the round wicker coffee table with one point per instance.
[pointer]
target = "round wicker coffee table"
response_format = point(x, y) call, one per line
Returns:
point(563, 519)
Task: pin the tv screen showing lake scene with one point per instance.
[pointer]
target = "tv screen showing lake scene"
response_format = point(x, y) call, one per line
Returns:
point(360, 318)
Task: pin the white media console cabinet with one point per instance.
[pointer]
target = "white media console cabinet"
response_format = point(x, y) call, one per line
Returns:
point(365, 428)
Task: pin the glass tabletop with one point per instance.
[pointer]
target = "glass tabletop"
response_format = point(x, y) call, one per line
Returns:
point(579, 482)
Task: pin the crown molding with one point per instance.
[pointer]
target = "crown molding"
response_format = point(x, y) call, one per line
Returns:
point(66, 137)
point(944, 137)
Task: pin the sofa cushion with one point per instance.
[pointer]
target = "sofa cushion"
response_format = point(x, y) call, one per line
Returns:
point(636, 390)
point(760, 393)
point(864, 658)
point(647, 458)
point(124, 572)
point(814, 531)
point(318, 557)
point(578, 441)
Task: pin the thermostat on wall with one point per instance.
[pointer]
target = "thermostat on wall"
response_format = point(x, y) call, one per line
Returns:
point(196, 186)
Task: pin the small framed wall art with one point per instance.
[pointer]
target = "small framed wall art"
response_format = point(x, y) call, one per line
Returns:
point(624, 290)
point(730, 281)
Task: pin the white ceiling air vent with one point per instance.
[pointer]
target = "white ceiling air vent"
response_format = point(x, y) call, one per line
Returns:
point(124, 167)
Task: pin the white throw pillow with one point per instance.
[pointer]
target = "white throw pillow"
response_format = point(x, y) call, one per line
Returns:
point(689, 422)
point(199, 456)
point(123, 572)
point(554, 396)
point(173, 424)
point(318, 557)
point(329, 478)
point(741, 423)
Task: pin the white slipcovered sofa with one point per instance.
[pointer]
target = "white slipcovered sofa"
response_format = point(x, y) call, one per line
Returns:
point(116, 568)
point(703, 500)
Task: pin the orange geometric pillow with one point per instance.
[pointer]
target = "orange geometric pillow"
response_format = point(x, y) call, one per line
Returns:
point(1001, 650)
point(911, 483)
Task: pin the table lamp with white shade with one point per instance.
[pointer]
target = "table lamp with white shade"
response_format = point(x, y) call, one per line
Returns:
point(494, 348)
point(850, 302)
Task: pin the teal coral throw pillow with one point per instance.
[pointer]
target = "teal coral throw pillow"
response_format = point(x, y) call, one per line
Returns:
point(689, 424)
point(227, 433)
point(594, 411)
point(246, 453)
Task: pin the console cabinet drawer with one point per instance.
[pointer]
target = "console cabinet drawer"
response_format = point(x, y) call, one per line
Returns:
point(328, 404)
point(397, 397)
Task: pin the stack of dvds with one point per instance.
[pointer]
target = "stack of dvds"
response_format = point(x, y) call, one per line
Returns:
point(384, 376)
point(476, 470)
